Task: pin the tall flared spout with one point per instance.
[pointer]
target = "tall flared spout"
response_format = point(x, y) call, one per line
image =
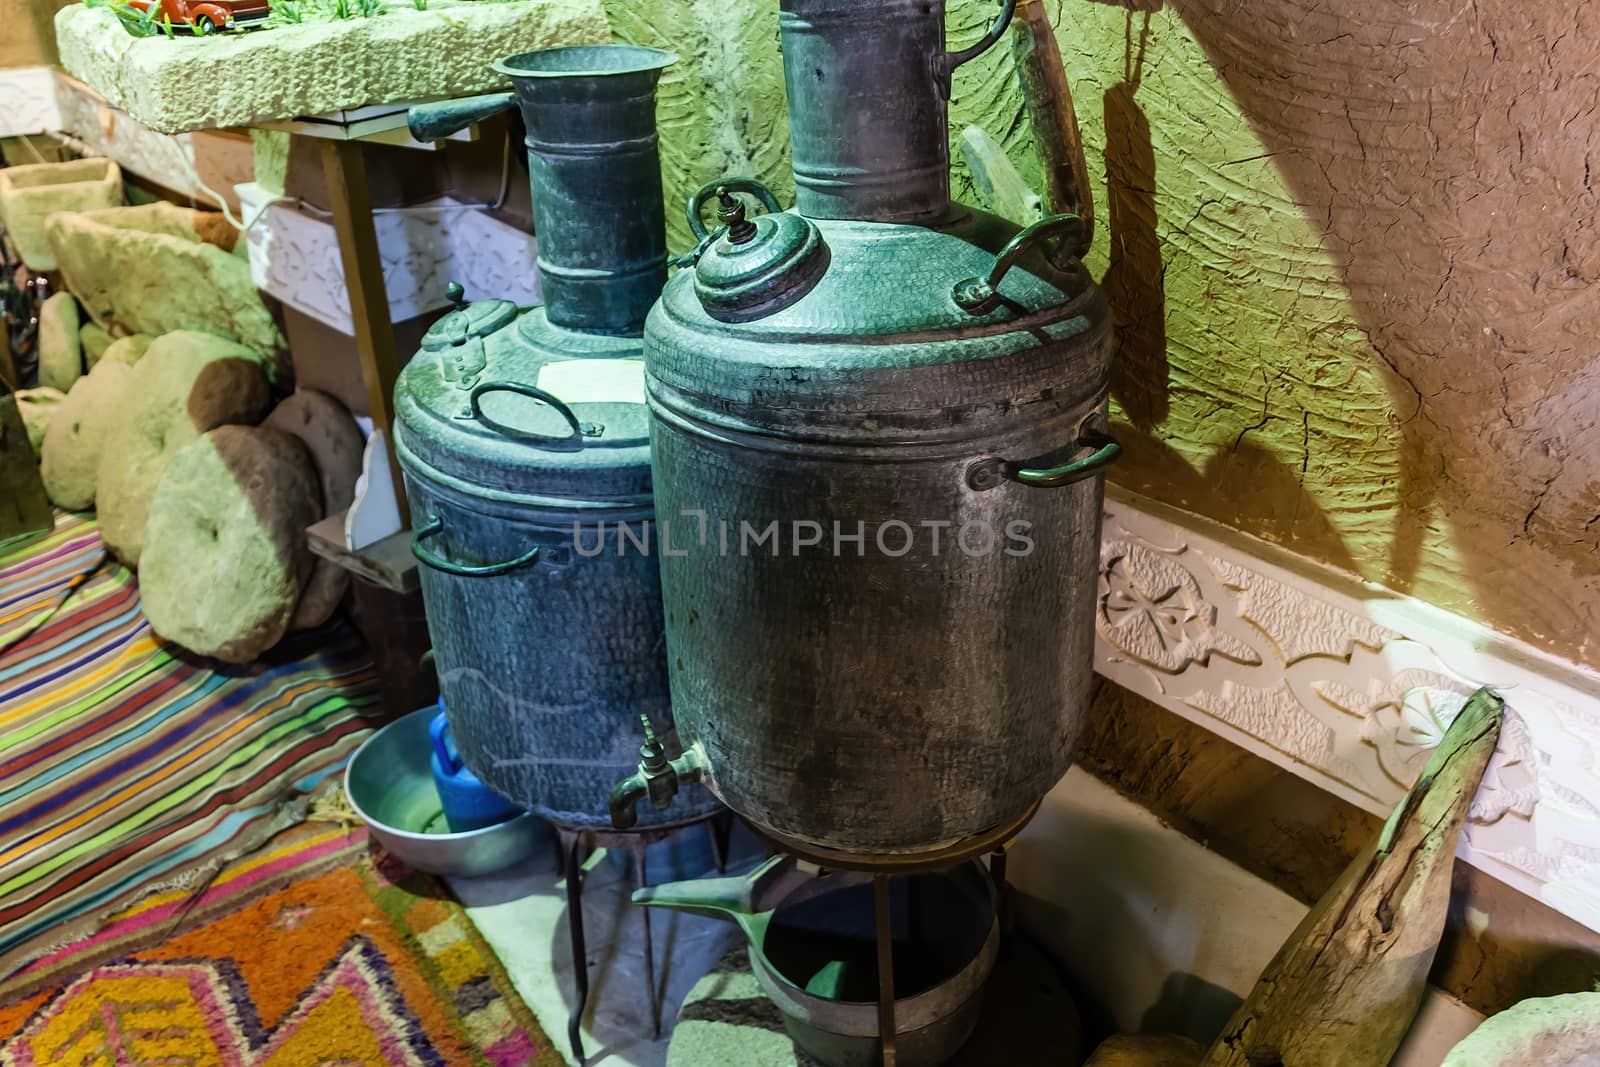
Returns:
point(594, 172)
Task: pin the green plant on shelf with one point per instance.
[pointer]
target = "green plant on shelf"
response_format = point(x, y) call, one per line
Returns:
point(287, 12)
point(420, 5)
point(166, 25)
point(340, 9)
point(369, 8)
point(137, 21)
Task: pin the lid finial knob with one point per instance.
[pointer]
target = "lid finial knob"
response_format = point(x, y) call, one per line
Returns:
point(730, 213)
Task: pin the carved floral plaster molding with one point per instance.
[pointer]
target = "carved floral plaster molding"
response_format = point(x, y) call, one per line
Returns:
point(30, 101)
point(1352, 686)
point(294, 255)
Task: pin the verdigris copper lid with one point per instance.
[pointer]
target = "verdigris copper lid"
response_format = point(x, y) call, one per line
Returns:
point(760, 266)
point(467, 321)
point(546, 414)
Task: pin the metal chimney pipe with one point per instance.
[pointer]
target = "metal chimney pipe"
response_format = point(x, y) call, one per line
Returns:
point(869, 92)
point(594, 168)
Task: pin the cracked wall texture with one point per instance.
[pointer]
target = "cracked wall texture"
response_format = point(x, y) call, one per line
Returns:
point(1352, 250)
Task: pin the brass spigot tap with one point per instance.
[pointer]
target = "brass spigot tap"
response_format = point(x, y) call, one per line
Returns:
point(657, 777)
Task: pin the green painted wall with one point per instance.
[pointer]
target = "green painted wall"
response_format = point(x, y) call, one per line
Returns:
point(1352, 248)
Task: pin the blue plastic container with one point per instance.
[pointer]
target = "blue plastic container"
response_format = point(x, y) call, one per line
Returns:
point(468, 803)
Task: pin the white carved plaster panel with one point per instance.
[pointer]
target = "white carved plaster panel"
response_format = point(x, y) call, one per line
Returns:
point(30, 101)
point(1352, 686)
point(294, 255)
point(163, 158)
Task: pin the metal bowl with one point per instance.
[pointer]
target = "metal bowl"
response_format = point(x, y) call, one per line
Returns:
point(390, 786)
point(953, 920)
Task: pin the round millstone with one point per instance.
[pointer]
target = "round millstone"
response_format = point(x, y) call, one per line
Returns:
point(1559, 1031)
point(334, 440)
point(94, 340)
point(38, 407)
point(69, 458)
point(1146, 1050)
point(226, 559)
point(128, 350)
point(60, 348)
point(186, 384)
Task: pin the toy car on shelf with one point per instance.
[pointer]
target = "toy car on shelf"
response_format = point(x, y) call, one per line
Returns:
point(205, 16)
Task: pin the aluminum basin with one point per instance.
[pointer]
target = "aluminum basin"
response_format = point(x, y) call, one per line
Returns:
point(390, 786)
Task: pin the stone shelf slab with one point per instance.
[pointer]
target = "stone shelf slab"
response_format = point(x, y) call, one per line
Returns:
point(202, 166)
point(274, 74)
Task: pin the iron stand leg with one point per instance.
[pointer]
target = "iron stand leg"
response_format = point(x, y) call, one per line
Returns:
point(649, 946)
point(720, 827)
point(885, 925)
point(997, 872)
point(580, 952)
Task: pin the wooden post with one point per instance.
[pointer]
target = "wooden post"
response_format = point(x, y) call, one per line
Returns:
point(24, 508)
point(1054, 120)
point(346, 171)
point(9, 379)
point(1346, 986)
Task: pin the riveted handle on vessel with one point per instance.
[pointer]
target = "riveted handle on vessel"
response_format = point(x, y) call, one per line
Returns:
point(988, 473)
point(949, 61)
point(426, 557)
point(580, 430)
point(708, 192)
point(979, 296)
point(435, 122)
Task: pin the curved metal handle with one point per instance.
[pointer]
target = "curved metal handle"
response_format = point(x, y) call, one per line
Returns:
point(951, 60)
point(580, 430)
point(425, 556)
point(704, 195)
point(435, 122)
point(988, 473)
point(979, 296)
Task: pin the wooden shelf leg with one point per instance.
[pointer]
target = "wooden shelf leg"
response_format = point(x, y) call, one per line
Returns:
point(345, 168)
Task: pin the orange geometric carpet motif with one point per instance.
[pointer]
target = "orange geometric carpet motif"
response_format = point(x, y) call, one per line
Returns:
point(199, 1012)
point(308, 955)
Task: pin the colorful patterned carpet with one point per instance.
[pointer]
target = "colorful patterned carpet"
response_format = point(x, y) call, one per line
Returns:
point(306, 953)
point(127, 767)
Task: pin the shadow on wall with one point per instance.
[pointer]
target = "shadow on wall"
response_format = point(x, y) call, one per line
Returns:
point(1133, 281)
point(1444, 167)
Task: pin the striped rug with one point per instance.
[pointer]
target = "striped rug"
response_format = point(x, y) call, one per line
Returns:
point(126, 765)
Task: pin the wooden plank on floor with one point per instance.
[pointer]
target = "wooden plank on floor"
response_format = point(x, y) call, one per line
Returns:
point(1500, 946)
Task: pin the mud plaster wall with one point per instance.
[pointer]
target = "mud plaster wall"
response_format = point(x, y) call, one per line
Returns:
point(1352, 247)
point(27, 32)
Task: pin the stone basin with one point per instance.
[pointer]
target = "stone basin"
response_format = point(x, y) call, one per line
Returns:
point(321, 65)
point(156, 268)
point(29, 194)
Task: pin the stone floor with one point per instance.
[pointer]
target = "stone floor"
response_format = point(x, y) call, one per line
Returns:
point(1165, 907)
point(522, 913)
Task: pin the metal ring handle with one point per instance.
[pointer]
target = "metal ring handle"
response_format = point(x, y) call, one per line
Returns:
point(988, 473)
point(979, 296)
point(704, 194)
point(425, 556)
point(952, 60)
point(579, 430)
